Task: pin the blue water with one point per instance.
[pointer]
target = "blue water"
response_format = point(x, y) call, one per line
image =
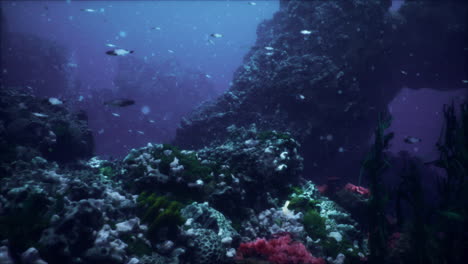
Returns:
point(185, 27)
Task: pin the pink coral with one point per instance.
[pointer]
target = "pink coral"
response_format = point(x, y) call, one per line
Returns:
point(357, 189)
point(281, 250)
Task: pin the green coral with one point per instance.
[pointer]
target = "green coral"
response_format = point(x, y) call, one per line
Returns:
point(302, 204)
point(161, 214)
point(107, 171)
point(314, 224)
point(332, 247)
point(193, 169)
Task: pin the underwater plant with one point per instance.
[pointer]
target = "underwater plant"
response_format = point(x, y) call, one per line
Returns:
point(374, 166)
point(161, 214)
point(452, 214)
point(314, 224)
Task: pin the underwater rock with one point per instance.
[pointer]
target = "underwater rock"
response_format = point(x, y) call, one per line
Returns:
point(57, 135)
point(31, 256)
point(208, 226)
point(337, 78)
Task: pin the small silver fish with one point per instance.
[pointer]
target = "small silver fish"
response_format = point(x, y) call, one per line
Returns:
point(269, 48)
point(269, 53)
point(115, 114)
point(156, 28)
point(111, 45)
point(412, 140)
point(208, 76)
point(306, 32)
point(89, 10)
point(252, 3)
point(55, 101)
point(216, 35)
point(40, 115)
point(170, 51)
point(141, 132)
point(119, 52)
point(120, 102)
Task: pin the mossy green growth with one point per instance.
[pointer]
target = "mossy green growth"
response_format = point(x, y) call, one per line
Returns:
point(193, 169)
point(107, 171)
point(23, 224)
point(265, 135)
point(136, 246)
point(332, 247)
point(161, 214)
point(302, 204)
point(314, 224)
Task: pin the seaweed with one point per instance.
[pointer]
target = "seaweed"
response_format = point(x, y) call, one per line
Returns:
point(418, 227)
point(374, 166)
point(314, 224)
point(161, 214)
point(452, 213)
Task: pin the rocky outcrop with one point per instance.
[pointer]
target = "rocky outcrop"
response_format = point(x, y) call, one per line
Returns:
point(327, 84)
point(31, 126)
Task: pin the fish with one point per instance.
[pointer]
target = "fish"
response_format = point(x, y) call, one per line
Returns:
point(252, 3)
point(55, 101)
point(349, 105)
point(269, 48)
point(120, 102)
point(412, 140)
point(89, 10)
point(451, 215)
point(156, 28)
point(40, 115)
point(152, 121)
point(208, 76)
point(170, 51)
point(80, 98)
point(306, 32)
point(119, 52)
point(140, 132)
point(115, 114)
point(269, 53)
point(111, 45)
point(404, 72)
point(464, 81)
point(216, 35)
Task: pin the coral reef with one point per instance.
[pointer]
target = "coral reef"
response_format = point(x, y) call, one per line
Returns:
point(32, 127)
point(328, 87)
point(281, 250)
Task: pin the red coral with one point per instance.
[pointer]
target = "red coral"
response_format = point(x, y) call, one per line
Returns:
point(357, 189)
point(281, 250)
point(322, 188)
